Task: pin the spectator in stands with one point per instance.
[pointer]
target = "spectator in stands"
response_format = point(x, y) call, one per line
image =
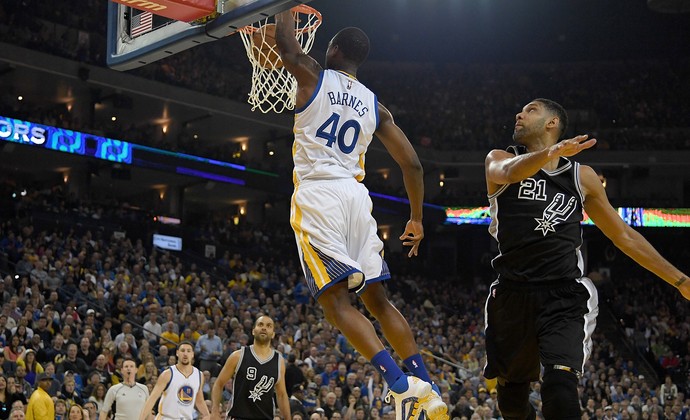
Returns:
point(33, 368)
point(22, 384)
point(72, 363)
point(42, 330)
point(5, 398)
point(118, 314)
point(162, 357)
point(17, 414)
point(14, 349)
point(97, 395)
point(6, 366)
point(86, 352)
point(21, 331)
point(16, 394)
point(126, 330)
point(668, 391)
point(209, 349)
point(152, 328)
point(102, 367)
point(150, 373)
point(169, 337)
point(41, 405)
point(69, 392)
point(55, 353)
point(670, 362)
point(92, 408)
point(76, 412)
point(60, 409)
point(296, 404)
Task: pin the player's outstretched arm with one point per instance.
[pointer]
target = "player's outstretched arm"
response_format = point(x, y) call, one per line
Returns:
point(305, 69)
point(503, 168)
point(627, 239)
point(403, 153)
point(226, 373)
point(157, 391)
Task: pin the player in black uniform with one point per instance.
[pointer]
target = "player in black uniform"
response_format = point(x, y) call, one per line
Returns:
point(541, 309)
point(258, 372)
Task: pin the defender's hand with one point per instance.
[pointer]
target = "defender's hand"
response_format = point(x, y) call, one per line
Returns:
point(571, 147)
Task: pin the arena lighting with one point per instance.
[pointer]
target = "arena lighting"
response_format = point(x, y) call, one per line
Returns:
point(63, 140)
point(403, 200)
point(203, 160)
point(167, 220)
point(633, 216)
point(84, 144)
point(207, 175)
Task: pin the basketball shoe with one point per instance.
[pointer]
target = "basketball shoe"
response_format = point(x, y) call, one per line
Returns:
point(433, 406)
point(419, 396)
point(440, 411)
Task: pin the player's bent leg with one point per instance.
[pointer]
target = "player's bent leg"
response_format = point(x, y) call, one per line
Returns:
point(513, 400)
point(559, 395)
point(358, 330)
point(393, 325)
point(398, 333)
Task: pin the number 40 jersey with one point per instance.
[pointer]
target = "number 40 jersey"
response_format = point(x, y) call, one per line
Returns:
point(334, 128)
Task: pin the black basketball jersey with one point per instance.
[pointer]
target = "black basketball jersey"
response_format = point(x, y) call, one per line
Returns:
point(537, 225)
point(253, 388)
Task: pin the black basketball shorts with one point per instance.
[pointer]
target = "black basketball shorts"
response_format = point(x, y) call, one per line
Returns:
point(547, 323)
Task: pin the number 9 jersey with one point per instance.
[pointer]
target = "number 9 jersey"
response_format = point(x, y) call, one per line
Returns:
point(334, 128)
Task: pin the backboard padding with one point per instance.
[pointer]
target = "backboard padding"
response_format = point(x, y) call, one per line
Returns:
point(125, 53)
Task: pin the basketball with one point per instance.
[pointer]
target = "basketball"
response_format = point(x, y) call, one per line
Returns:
point(264, 49)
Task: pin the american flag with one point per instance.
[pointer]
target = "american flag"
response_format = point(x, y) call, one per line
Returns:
point(141, 24)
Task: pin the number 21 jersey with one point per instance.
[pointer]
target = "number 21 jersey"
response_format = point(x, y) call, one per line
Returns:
point(537, 225)
point(334, 128)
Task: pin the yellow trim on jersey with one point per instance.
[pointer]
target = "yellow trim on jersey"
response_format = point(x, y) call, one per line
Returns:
point(359, 178)
point(295, 181)
point(160, 402)
point(346, 74)
point(318, 270)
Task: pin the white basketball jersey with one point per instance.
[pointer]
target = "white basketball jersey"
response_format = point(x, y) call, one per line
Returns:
point(334, 129)
point(177, 401)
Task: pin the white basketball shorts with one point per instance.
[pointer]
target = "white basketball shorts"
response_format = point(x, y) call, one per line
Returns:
point(336, 235)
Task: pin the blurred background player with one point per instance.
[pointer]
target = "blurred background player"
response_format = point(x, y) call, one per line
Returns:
point(179, 389)
point(258, 375)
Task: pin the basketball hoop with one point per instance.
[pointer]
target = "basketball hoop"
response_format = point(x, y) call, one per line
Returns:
point(273, 87)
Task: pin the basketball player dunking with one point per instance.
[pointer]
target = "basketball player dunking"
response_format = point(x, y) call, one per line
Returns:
point(258, 374)
point(336, 117)
point(179, 389)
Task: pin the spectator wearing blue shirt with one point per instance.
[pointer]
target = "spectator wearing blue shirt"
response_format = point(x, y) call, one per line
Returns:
point(209, 347)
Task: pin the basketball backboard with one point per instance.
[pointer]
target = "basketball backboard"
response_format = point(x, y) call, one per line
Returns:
point(138, 37)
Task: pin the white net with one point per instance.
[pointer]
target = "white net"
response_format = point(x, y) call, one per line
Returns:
point(273, 87)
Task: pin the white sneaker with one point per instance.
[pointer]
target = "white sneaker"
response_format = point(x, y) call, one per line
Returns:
point(408, 405)
point(434, 407)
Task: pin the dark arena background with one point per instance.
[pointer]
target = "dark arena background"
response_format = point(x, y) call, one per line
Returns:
point(139, 207)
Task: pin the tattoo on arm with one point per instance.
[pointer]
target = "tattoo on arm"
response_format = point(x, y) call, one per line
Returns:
point(681, 281)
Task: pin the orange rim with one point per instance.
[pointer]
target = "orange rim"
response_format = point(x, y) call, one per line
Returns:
point(302, 8)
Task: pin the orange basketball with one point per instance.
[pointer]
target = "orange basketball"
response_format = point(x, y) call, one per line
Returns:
point(265, 50)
